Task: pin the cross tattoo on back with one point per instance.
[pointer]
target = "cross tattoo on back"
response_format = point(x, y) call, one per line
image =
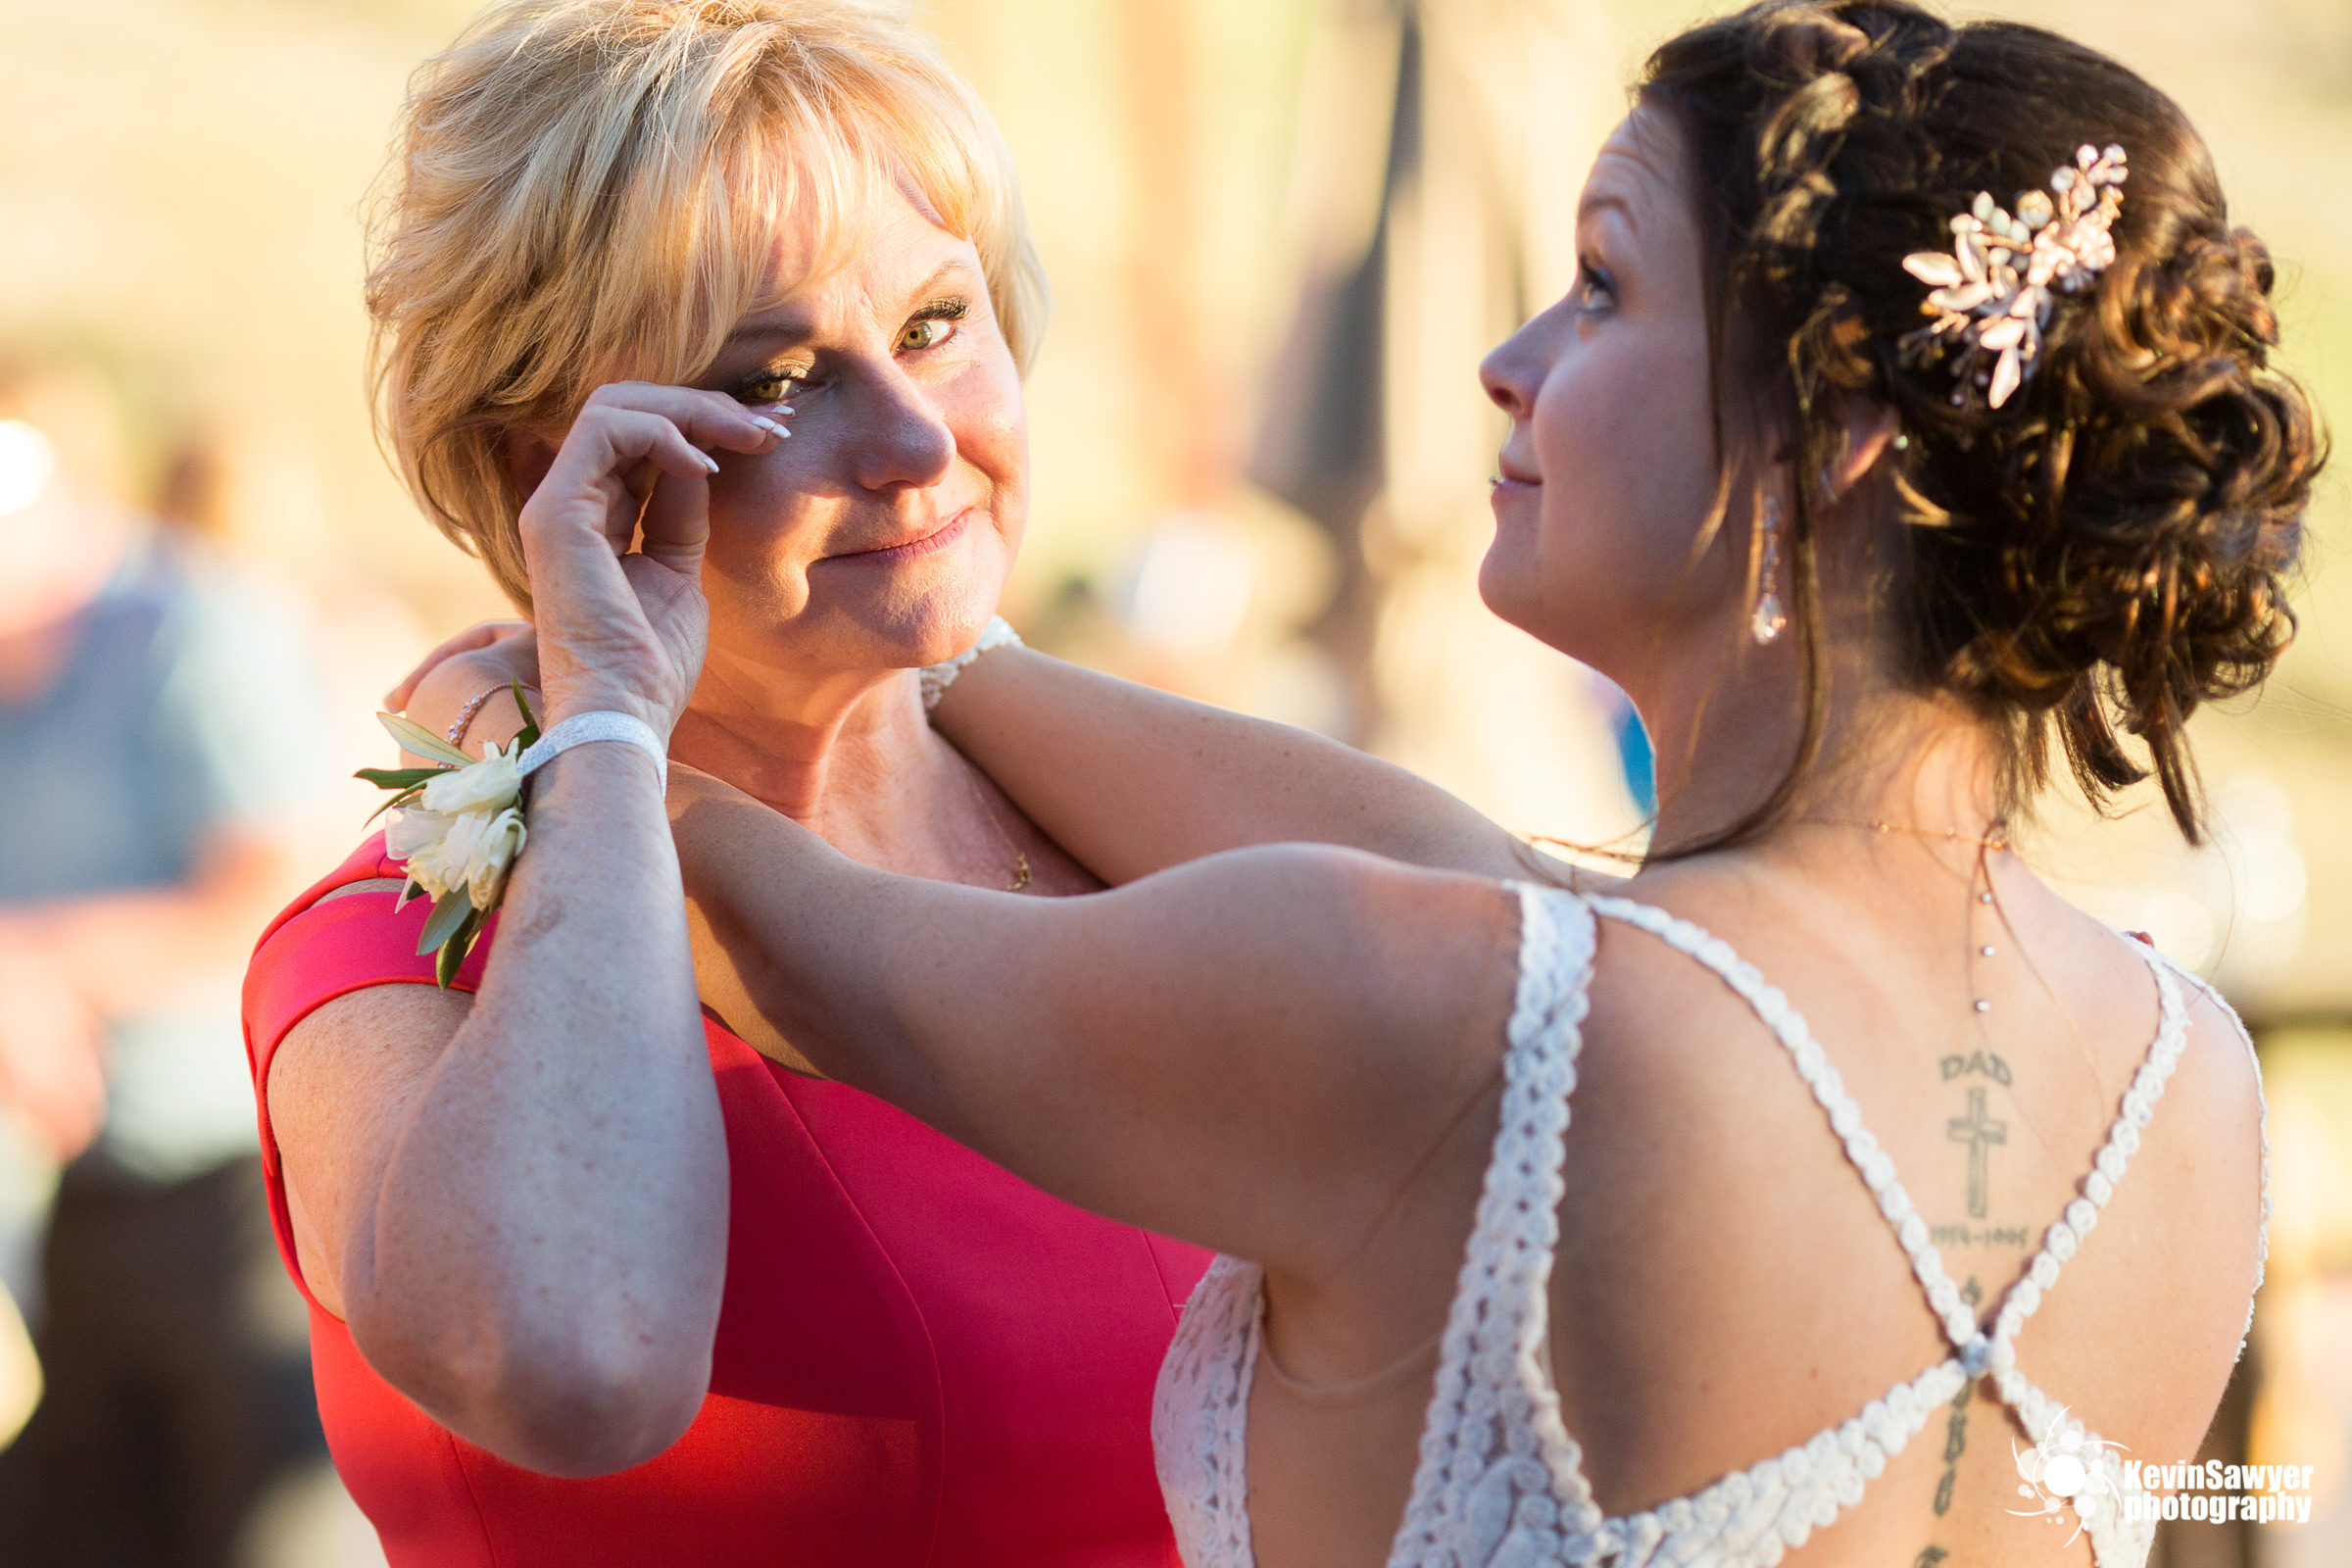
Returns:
point(1977, 1131)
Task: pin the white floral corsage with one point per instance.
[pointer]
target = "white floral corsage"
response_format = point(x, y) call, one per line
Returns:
point(457, 827)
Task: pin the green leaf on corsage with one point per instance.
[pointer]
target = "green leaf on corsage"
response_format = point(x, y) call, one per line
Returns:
point(449, 912)
point(457, 947)
point(419, 741)
point(528, 735)
point(400, 778)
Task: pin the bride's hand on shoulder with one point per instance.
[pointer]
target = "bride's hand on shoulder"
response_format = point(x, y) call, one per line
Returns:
point(475, 669)
point(624, 628)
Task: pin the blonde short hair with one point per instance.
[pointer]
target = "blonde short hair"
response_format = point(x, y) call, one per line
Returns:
point(589, 191)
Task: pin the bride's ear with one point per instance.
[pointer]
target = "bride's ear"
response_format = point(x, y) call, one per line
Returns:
point(1868, 428)
point(528, 456)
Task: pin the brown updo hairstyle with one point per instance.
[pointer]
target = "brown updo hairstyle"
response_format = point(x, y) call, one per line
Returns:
point(2109, 548)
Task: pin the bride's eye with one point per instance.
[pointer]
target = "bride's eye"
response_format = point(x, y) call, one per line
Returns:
point(1594, 288)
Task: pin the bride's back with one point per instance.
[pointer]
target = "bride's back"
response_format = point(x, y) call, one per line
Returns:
point(2006, 477)
point(1726, 1285)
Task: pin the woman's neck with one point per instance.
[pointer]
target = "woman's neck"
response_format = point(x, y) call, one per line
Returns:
point(846, 755)
point(1886, 752)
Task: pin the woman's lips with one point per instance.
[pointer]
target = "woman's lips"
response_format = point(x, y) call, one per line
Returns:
point(939, 538)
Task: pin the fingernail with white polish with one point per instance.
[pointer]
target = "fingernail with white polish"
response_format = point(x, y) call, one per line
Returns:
point(709, 462)
point(770, 426)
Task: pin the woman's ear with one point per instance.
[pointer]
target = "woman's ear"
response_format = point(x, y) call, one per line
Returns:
point(528, 457)
point(1868, 426)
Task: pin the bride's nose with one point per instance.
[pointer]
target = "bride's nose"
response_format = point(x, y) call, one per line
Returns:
point(1512, 374)
point(901, 437)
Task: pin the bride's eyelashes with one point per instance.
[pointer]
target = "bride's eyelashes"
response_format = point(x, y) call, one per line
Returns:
point(1594, 289)
point(931, 327)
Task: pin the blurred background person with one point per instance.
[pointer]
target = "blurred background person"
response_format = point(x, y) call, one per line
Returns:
point(158, 752)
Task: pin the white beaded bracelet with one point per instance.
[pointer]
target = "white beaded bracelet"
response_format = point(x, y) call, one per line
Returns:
point(602, 725)
point(937, 678)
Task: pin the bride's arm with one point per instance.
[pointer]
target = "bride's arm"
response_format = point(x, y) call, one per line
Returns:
point(1132, 780)
point(1259, 1051)
point(1128, 779)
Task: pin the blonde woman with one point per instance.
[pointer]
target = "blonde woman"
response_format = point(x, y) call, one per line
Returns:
point(1752, 1210)
point(590, 1280)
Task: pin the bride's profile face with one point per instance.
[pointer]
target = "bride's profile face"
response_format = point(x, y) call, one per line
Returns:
point(880, 535)
point(1606, 478)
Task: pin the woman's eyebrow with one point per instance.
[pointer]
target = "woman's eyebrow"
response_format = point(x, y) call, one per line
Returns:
point(1593, 203)
point(770, 329)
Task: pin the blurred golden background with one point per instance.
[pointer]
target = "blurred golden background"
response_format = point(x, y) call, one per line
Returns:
point(1281, 234)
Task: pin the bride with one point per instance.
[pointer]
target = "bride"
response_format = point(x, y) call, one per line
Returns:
point(1764, 1203)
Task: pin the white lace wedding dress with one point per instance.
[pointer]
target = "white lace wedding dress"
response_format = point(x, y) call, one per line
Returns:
point(1501, 1482)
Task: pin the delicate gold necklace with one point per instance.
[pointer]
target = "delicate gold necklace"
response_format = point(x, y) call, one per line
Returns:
point(1980, 883)
point(1982, 893)
point(1020, 861)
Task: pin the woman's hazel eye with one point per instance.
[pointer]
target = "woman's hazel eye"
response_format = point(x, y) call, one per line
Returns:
point(769, 386)
point(922, 335)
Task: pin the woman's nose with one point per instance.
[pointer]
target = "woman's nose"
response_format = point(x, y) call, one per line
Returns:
point(906, 441)
point(1512, 372)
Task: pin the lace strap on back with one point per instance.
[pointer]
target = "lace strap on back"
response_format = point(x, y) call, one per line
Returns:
point(1495, 1454)
point(1813, 1065)
point(2261, 1106)
point(2066, 1233)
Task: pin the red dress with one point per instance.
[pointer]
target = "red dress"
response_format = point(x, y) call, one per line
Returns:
point(920, 1357)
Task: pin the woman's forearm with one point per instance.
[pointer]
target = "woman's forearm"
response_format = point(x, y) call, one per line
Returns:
point(543, 1263)
point(1133, 780)
point(1250, 1052)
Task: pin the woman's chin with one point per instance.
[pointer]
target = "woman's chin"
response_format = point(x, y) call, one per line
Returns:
point(1504, 586)
point(916, 614)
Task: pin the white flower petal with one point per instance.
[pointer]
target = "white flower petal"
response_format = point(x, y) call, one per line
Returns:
point(491, 855)
point(2006, 333)
point(493, 784)
point(1933, 268)
point(2006, 378)
point(1962, 299)
point(410, 831)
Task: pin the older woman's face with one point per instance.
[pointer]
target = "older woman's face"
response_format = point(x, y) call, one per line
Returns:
point(1608, 472)
point(880, 535)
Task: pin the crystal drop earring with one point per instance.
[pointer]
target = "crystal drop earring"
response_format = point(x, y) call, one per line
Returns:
point(1768, 619)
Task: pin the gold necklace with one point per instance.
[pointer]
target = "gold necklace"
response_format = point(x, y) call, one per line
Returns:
point(1995, 842)
point(1988, 843)
point(1020, 861)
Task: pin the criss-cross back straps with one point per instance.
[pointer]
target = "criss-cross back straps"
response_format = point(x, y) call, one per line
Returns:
point(1978, 1351)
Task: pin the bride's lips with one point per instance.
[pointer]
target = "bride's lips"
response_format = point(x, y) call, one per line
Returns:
point(939, 538)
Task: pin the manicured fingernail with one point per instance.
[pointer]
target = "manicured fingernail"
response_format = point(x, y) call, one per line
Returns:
point(709, 462)
point(771, 427)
